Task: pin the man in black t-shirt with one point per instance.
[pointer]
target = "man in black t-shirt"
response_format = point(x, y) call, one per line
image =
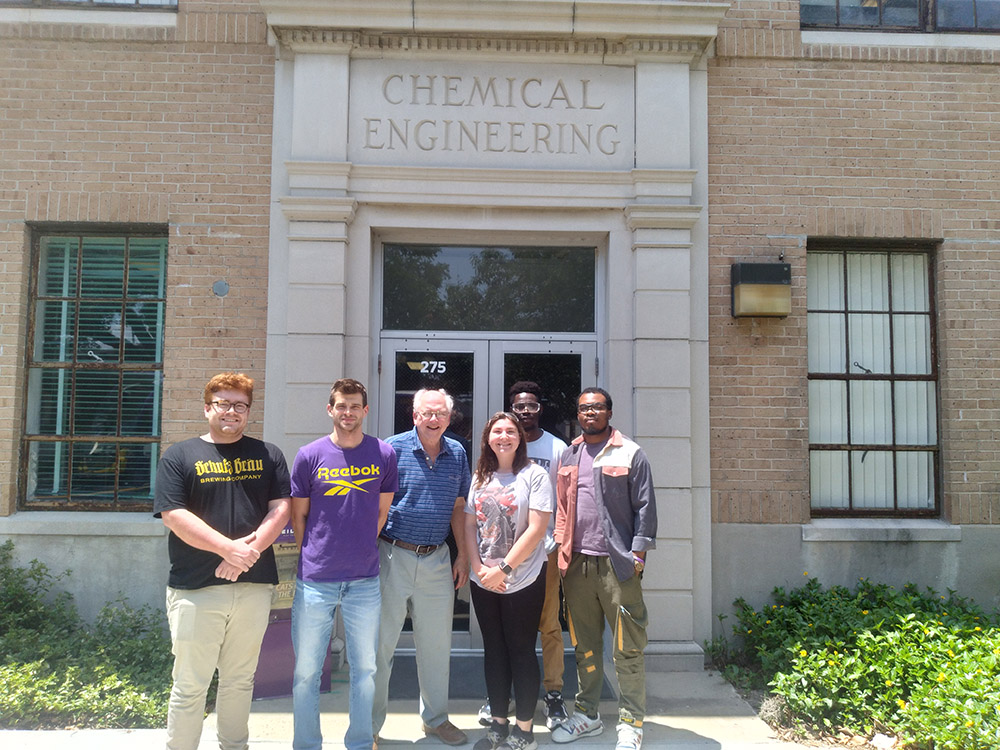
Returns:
point(225, 498)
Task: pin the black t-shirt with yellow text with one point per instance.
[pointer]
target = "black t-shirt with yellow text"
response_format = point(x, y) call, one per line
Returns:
point(228, 486)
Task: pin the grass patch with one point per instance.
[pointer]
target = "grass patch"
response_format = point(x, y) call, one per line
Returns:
point(915, 664)
point(56, 671)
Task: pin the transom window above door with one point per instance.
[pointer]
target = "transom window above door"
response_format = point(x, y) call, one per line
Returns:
point(488, 288)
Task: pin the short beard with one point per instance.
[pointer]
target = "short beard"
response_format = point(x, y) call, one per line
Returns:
point(594, 430)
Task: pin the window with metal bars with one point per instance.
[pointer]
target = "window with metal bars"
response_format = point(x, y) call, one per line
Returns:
point(902, 15)
point(873, 435)
point(95, 370)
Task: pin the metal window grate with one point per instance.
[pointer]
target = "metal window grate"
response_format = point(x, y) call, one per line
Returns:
point(94, 375)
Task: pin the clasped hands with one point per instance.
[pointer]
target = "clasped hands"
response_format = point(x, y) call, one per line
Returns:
point(492, 578)
point(239, 558)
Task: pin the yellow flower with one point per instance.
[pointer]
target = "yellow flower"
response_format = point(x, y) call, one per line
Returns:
point(864, 611)
point(941, 677)
point(805, 573)
point(802, 652)
point(830, 662)
point(978, 628)
point(767, 622)
point(888, 683)
point(968, 723)
point(951, 653)
point(901, 703)
point(749, 631)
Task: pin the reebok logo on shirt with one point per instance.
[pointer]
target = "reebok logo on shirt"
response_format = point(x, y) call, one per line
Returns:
point(343, 486)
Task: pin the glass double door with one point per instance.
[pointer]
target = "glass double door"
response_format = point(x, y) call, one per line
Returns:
point(478, 373)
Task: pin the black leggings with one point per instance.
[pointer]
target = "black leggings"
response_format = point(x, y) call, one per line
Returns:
point(509, 623)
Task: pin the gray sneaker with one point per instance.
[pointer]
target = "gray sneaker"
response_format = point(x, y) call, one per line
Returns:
point(576, 726)
point(519, 740)
point(495, 736)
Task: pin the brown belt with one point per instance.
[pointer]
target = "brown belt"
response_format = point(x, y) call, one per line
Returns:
point(419, 549)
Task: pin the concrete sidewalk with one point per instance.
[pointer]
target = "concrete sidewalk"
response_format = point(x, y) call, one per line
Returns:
point(687, 711)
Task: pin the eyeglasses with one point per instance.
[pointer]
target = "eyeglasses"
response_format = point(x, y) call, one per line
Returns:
point(432, 414)
point(526, 408)
point(237, 406)
point(591, 408)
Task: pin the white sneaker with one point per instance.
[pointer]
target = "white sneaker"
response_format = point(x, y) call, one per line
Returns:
point(578, 725)
point(486, 714)
point(629, 737)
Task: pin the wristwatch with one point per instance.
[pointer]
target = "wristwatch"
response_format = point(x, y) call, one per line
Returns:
point(507, 570)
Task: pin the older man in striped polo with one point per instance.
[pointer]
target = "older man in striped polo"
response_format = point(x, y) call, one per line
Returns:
point(415, 564)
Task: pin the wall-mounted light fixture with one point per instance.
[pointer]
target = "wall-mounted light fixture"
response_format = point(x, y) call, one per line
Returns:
point(761, 289)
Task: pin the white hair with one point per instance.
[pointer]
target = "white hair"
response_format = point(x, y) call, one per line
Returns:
point(418, 396)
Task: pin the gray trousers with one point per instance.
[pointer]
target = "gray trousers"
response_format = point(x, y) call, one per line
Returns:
point(425, 584)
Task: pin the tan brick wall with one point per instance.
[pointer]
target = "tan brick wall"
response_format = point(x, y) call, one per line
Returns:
point(874, 142)
point(123, 124)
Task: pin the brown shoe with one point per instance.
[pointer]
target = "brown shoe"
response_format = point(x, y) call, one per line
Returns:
point(448, 733)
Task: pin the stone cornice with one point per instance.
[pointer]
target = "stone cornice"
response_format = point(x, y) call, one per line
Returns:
point(327, 209)
point(653, 198)
point(387, 45)
point(617, 27)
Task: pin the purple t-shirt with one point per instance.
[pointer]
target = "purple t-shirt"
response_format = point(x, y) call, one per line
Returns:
point(340, 542)
point(589, 535)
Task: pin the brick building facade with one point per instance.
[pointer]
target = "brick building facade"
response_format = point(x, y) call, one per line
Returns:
point(739, 137)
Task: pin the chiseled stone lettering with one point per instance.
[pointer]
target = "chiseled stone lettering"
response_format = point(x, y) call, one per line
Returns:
point(491, 136)
point(486, 128)
point(488, 91)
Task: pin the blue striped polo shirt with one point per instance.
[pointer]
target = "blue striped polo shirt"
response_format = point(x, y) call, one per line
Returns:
point(421, 510)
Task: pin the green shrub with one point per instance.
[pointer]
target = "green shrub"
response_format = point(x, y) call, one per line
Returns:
point(57, 672)
point(917, 664)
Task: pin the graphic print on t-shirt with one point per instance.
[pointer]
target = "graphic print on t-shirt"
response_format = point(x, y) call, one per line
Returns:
point(495, 511)
point(343, 486)
point(225, 470)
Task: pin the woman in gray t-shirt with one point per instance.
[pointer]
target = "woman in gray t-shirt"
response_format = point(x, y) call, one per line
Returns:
point(507, 513)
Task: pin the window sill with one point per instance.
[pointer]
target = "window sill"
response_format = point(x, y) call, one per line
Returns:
point(91, 16)
point(880, 530)
point(982, 40)
point(69, 523)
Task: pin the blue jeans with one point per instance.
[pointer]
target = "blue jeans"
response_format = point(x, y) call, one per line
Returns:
point(313, 613)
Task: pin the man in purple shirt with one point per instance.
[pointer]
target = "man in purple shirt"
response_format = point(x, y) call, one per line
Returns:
point(342, 486)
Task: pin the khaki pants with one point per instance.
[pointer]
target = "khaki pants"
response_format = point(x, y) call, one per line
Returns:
point(214, 627)
point(550, 629)
point(594, 594)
